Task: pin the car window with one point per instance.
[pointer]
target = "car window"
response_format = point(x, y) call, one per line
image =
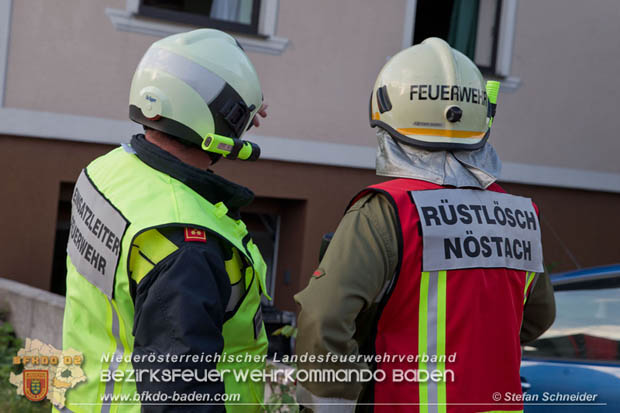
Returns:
point(587, 327)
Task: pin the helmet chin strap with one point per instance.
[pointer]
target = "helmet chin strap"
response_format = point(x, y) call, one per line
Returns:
point(215, 157)
point(231, 148)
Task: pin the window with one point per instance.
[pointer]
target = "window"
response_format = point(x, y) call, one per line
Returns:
point(63, 222)
point(262, 220)
point(252, 22)
point(587, 327)
point(264, 229)
point(240, 16)
point(474, 27)
point(267, 220)
point(263, 226)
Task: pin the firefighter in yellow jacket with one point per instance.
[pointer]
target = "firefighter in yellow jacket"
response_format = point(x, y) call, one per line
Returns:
point(162, 275)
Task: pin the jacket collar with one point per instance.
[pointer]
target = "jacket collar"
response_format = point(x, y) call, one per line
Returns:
point(207, 184)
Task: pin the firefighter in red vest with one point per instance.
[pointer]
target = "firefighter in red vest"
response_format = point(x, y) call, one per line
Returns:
point(434, 279)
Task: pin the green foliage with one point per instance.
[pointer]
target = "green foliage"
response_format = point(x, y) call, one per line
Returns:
point(10, 402)
point(282, 398)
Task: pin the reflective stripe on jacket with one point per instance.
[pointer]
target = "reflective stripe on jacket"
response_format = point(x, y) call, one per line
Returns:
point(117, 199)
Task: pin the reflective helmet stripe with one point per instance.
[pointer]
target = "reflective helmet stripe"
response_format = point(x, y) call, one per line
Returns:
point(206, 83)
point(192, 84)
point(222, 99)
point(442, 132)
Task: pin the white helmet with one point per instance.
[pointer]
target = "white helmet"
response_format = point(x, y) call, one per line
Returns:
point(199, 87)
point(434, 97)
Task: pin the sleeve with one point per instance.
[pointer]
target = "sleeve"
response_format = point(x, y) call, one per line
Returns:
point(539, 310)
point(179, 311)
point(360, 261)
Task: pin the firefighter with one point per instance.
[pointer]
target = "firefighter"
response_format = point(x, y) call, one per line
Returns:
point(433, 279)
point(162, 274)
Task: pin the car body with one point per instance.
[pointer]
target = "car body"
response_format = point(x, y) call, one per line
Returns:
point(580, 354)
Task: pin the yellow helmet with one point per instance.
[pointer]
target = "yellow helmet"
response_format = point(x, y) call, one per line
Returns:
point(432, 96)
point(201, 88)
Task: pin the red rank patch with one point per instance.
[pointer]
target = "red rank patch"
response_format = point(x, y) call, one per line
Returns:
point(195, 235)
point(318, 273)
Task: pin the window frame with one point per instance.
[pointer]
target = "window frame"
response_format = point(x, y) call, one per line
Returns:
point(184, 17)
point(270, 276)
point(492, 70)
point(504, 49)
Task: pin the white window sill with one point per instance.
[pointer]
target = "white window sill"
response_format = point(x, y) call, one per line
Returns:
point(124, 20)
point(510, 84)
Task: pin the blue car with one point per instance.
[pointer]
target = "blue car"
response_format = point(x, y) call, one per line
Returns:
point(575, 365)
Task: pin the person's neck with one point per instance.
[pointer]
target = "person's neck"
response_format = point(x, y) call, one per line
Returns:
point(193, 156)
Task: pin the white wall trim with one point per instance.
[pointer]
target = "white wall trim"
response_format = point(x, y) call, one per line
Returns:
point(521, 173)
point(510, 84)
point(409, 23)
point(508, 24)
point(313, 152)
point(133, 6)
point(5, 37)
point(22, 122)
point(268, 23)
point(126, 20)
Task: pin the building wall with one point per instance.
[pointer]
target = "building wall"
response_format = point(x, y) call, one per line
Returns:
point(567, 55)
point(318, 86)
point(318, 89)
point(34, 170)
point(576, 225)
point(579, 228)
point(70, 59)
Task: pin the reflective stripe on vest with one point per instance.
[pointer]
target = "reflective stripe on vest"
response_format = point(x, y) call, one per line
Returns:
point(529, 278)
point(432, 339)
point(119, 352)
point(98, 325)
point(464, 320)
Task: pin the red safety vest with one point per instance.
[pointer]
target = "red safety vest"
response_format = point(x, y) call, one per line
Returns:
point(472, 315)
